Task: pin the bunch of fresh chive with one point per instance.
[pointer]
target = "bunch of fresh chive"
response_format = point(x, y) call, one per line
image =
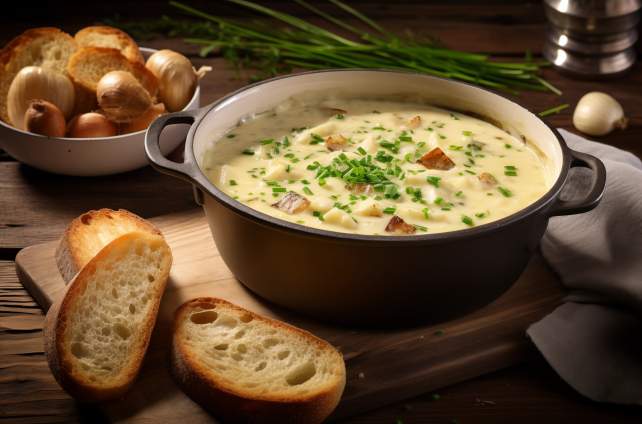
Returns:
point(297, 43)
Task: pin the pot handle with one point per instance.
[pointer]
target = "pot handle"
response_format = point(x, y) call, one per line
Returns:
point(593, 197)
point(184, 170)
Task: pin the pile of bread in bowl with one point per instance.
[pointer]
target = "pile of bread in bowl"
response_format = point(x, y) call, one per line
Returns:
point(94, 84)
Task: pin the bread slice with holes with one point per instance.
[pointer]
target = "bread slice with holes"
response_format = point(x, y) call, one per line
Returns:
point(106, 36)
point(88, 65)
point(90, 232)
point(246, 368)
point(46, 47)
point(97, 334)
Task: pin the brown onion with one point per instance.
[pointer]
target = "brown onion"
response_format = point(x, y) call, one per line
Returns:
point(91, 124)
point(45, 118)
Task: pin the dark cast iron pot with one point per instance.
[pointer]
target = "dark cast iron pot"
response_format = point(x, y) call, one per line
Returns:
point(373, 280)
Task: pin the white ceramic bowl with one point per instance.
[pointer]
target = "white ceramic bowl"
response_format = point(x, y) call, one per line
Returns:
point(89, 156)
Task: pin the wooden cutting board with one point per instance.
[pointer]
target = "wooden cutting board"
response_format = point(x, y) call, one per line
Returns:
point(383, 366)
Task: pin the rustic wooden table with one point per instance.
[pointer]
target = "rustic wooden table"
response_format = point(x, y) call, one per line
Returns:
point(35, 207)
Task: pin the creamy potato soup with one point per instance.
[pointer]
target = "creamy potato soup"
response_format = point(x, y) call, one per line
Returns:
point(376, 167)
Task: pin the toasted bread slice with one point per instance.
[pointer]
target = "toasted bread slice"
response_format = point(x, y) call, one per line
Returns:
point(97, 334)
point(46, 47)
point(106, 36)
point(90, 232)
point(246, 368)
point(88, 65)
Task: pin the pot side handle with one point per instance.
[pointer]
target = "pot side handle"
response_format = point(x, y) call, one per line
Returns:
point(183, 171)
point(594, 195)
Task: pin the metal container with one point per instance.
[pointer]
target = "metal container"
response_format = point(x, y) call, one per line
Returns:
point(592, 38)
point(365, 279)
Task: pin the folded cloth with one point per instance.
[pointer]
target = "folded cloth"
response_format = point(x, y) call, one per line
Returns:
point(594, 339)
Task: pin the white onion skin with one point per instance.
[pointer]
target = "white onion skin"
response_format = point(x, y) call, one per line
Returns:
point(176, 76)
point(38, 83)
point(598, 114)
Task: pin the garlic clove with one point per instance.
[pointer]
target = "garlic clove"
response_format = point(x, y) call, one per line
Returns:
point(598, 114)
point(35, 82)
point(121, 97)
point(177, 78)
point(143, 121)
point(43, 117)
point(91, 124)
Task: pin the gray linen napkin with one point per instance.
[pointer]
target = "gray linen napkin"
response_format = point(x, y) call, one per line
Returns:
point(594, 340)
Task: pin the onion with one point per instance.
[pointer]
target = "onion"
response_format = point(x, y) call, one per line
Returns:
point(34, 82)
point(43, 117)
point(598, 114)
point(177, 78)
point(122, 97)
point(91, 124)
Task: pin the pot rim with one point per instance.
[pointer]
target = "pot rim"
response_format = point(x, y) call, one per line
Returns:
point(201, 179)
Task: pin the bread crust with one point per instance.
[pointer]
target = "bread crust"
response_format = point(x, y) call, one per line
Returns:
point(129, 47)
point(58, 355)
point(240, 405)
point(70, 253)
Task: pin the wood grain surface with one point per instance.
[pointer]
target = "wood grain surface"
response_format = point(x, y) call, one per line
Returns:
point(35, 206)
point(416, 359)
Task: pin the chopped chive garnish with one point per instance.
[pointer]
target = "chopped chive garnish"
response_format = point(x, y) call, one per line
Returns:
point(459, 193)
point(467, 133)
point(378, 128)
point(389, 210)
point(432, 180)
point(471, 172)
point(340, 116)
point(248, 152)
point(553, 110)
point(267, 141)
point(305, 182)
point(426, 213)
point(307, 191)
point(508, 146)
point(318, 215)
point(316, 139)
point(232, 182)
point(481, 214)
point(321, 181)
point(361, 151)
point(455, 147)
point(231, 135)
point(279, 189)
point(505, 192)
point(467, 220)
point(421, 227)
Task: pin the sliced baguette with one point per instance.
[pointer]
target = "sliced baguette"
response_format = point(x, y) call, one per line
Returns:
point(97, 334)
point(46, 47)
point(106, 36)
point(246, 368)
point(90, 232)
point(88, 65)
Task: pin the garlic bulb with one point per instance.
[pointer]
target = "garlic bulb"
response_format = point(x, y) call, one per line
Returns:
point(44, 118)
point(143, 121)
point(122, 97)
point(598, 114)
point(34, 82)
point(91, 124)
point(177, 78)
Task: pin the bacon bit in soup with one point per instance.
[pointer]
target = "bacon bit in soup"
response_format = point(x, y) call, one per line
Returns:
point(336, 142)
point(487, 180)
point(292, 203)
point(436, 159)
point(360, 188)
point(415, 122)
point(398, 225)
